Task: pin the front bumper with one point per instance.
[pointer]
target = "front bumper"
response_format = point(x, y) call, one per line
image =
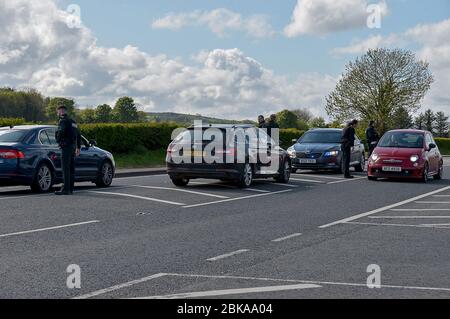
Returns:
point(408, 171)
point(326, 163)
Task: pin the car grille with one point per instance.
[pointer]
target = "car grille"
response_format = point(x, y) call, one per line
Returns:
point(392, 161)
point(309, 155)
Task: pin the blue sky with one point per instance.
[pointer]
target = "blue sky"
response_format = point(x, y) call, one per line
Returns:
point(234, 59)
point(117, 23)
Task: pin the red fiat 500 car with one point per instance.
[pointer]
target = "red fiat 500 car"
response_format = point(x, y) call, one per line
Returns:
point(406, 154)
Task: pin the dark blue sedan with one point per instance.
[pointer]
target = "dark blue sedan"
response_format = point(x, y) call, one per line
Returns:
point(30, 156)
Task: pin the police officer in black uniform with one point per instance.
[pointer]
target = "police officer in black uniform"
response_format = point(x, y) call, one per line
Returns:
point(347, 142)
point(272, 124)
point(69, 140)
point(261, 121)
point(372, 137)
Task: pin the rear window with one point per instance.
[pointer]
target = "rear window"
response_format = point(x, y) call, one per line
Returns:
point(11, 136)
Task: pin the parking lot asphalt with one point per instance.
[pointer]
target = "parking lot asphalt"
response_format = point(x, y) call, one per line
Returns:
point(312, 238)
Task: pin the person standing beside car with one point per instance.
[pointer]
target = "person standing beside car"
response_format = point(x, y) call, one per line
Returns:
point(261, 121)
point(347, 142)
point(372, 137)
point(69, 141)
point(272, 124)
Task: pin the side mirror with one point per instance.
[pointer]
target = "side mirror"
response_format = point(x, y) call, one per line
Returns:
point(432, 146)
point(93, 143)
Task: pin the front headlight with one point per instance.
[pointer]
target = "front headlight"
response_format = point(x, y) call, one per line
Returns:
point(291, 152)
point(331, 153)
point(375, 157)
point(414, 158)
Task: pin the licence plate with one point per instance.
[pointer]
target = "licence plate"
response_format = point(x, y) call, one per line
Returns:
point(392, 169)
point(308, 161)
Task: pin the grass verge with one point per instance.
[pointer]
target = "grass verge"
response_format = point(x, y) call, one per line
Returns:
point(145, 159)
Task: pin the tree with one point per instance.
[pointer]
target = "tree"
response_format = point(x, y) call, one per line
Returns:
point(53, 103)
point(304, 115)
point(103, 113)
point(318, 122)
point(125, 110)
point(429, 119)
point(419, 122)
point(86, 116)
point(377, 84)
point(27, 104)
point(287, 119)
point(402, 119)
point(441, 124)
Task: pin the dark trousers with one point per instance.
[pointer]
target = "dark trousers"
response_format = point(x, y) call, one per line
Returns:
point(346, 154)
point(371, 148)
point(68, 168)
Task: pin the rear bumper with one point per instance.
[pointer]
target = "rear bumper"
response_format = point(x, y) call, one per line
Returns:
point(211, 171)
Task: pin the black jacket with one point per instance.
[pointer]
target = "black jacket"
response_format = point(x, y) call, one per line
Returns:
point(371, 135)
point(348, 137)
point(68, 134)
point(271, 125)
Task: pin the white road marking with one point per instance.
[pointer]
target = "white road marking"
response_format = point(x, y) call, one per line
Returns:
point(279, 184)
point(121, 286)
point(228, 292)
point(235, 199)
point(286, 238)
point(346, 180)
point(230, 186)
point(138, 197)
point(364, 285)
point(307, 180)
point(234, 253)
point(441, 196)
point(408, 217)
point(420, 210)
point(382, 209)
point(48, 228)
point(400, 225)
point(181, 190)
point(320, 176)
point(142, 176)
point(435, 225)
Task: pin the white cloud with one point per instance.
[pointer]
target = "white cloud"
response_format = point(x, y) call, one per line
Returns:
point(319, 17)
point(433, 45)
point(45, 53)
point(219, 21)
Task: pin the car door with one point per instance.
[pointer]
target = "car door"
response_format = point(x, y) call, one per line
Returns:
point(47, 140)
point(270, 152)
point(88, 162)
point(432, 154)
point(356, 151)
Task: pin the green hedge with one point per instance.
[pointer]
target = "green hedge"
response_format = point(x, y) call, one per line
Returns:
point(444, 145)
point(11, 121)
point(287, 135)
point(124, 138)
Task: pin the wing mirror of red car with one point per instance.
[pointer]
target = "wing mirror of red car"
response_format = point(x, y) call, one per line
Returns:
point(432, 146)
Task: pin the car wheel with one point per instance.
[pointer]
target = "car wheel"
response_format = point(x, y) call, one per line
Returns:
point(371, 178)
point(285, 173)
point(425, 173)
point(294, 171)
point(44, 179)
point(246, 178)
point(440, 173)
point(106, 175)
point(180, 181)
point(362, 164)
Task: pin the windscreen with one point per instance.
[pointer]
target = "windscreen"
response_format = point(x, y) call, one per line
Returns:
point(402, 140)
point(11, 136)
point(321, 138)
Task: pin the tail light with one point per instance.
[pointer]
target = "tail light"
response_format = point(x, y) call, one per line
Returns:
point(11, 154)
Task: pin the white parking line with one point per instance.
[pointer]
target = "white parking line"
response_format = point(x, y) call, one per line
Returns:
point(307, 180)
point(364, 285)
point(121, 286)
point(401, 225)
point(420, 210)
point(230, 186)
point(347, 180)
point(432, 202)
point(48, 228)
point(441, 196)
point(138, 197)
point(235, 199)
point(408, 217)
point(234, 253)
point(181, 190)
point(279, 184)
point(286, 238)
point(382, 209)
point(228, 292)
point(320, 176)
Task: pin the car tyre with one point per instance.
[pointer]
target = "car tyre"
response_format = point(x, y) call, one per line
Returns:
point(440, 173)
point(105, 176)
point(362, 164)
point(246, 178)
point(425, 178)
point(44, 179)
point(371, 178)
point(180, 181)
point(285, 173)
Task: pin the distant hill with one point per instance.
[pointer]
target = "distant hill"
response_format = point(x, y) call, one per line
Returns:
point(188, 119)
